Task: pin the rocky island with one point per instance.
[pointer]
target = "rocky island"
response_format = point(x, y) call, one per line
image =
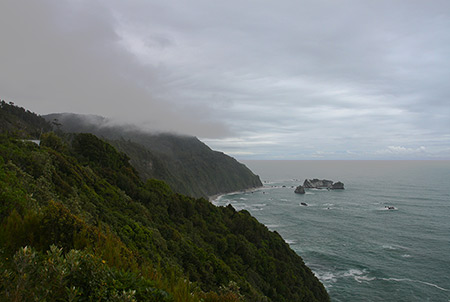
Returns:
point(319, 184)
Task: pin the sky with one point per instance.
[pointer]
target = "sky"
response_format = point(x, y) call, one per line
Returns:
point(318, 79)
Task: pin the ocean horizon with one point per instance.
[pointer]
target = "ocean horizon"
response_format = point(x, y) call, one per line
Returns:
point(359, 248)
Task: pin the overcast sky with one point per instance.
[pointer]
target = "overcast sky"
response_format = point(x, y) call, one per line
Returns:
point(318, 79)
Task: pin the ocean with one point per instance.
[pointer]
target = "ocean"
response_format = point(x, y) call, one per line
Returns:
point(359, 249)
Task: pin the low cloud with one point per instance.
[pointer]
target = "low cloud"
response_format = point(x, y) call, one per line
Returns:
point(262, 80)
point(67, 56)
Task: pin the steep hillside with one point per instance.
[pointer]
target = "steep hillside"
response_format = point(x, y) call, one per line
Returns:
point(22, 122)
point(185, 163)
point(95, 231)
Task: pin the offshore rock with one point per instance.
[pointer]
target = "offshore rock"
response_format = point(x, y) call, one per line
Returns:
point(317, 183)
point(322, 184)
point(300, 190)
point(337, 186)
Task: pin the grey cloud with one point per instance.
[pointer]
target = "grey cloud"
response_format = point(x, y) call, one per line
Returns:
point(293, 79)
point(67, 56)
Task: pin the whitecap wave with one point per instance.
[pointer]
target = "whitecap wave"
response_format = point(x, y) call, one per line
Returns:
point(361, 279)
point(393, 247)
point(415, 281)
point(327, 278)
point(259, 204)
point(358, 275)
point(239, 206)
point(388, 247)
point(272, 225)
point(288, 241)
point(254, 209)
point(231, 194)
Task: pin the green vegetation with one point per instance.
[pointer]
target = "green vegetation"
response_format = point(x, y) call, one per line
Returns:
point(21, 122)
point(78, 224)
point(185, 163)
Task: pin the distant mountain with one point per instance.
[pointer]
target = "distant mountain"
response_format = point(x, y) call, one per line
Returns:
point(189, 166)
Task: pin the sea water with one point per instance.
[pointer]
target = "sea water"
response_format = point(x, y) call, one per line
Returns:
point(358, 248)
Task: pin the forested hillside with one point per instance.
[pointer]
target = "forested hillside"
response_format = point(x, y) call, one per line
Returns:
point(21, 122)
point(185, 163)
point(78, 224)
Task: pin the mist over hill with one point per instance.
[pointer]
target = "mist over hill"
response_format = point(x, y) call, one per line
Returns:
point(184, 162)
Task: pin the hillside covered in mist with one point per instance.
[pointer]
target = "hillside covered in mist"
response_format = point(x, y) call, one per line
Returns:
point(185, 163)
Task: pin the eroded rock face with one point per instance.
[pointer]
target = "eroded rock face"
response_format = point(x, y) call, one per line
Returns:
point(300, 190)
point(317, 183)
point(308, 184)
point(337, 186)
point(322, 184)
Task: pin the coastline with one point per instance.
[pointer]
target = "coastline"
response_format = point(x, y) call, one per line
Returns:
point(214, 197)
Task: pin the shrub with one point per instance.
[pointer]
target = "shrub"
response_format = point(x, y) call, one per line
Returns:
point(74, 276)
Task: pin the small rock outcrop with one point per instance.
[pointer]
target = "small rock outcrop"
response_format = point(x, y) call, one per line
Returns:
point(300, 190)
